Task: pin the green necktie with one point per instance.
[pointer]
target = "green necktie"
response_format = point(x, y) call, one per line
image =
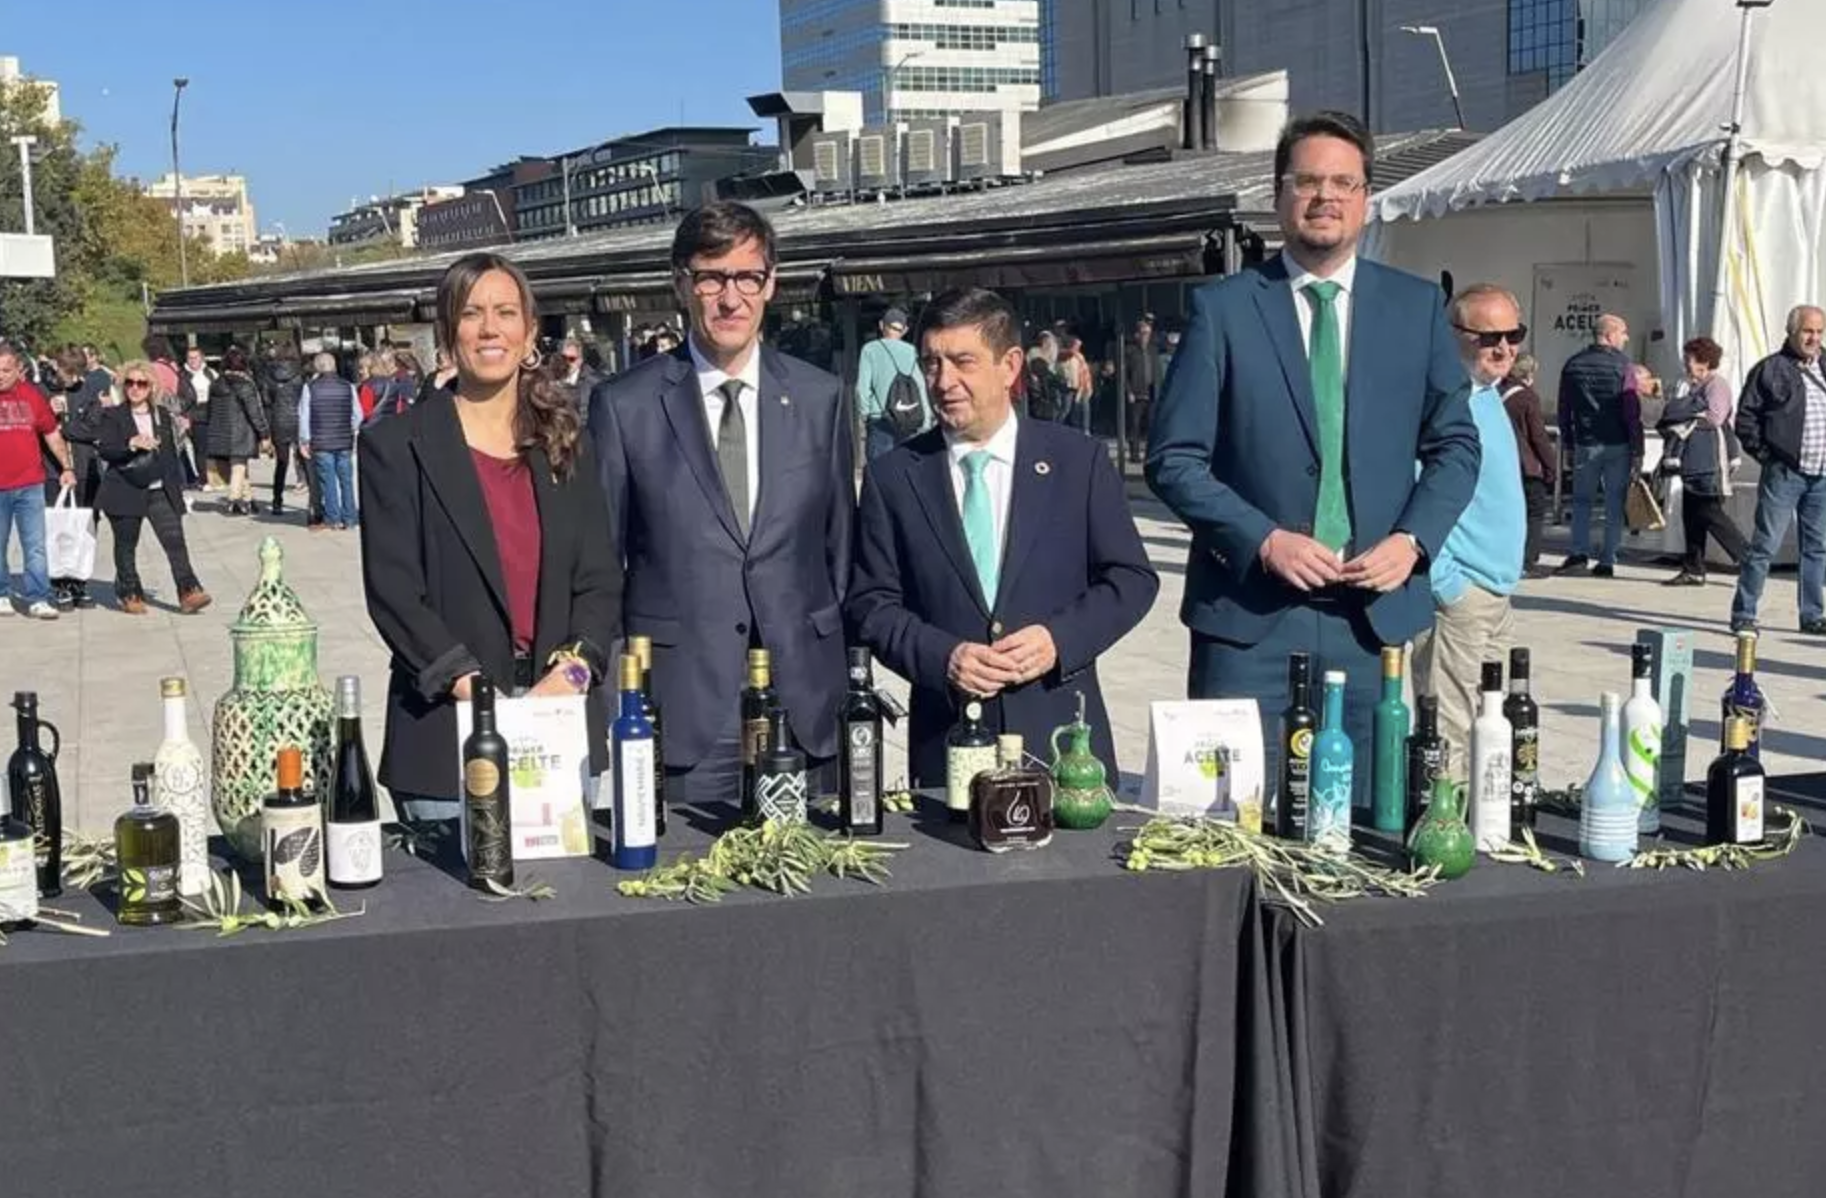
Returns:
point(979, 522)
point(1331, 525)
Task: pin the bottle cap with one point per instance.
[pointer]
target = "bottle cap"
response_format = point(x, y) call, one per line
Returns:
point(860, 658)
point(1493, 676)
point(1641, 660)
point(171, 688)
point(973, 710)
point(1609, 702)
point(630, 672)
point(291, 768)
point(1428, 704)
point(1334, 678)
point(1299, 667)
point(642, 648)
point(25, 700)
point(1737, 733)
point(142, 771)
point(1518, 663)
point(348, 692)
point(1391, 661)
point(1009, 747)
point(758, 657)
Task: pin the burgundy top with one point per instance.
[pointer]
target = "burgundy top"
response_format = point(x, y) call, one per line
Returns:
point(507, 488)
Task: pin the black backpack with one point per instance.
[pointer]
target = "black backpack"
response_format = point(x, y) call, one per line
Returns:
point(904, 411)
point(1045, 391)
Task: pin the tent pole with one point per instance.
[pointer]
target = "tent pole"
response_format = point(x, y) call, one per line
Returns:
point(1728, 173)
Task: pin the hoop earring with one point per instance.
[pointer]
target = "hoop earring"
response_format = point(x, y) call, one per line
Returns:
point(533, 360)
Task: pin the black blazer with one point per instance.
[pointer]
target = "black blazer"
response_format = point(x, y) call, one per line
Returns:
point(436, 594)
point(119, 494)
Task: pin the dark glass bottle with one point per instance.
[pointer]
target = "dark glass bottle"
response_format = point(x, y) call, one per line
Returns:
point(352, 825)
point(969, 751)
point(1011, 806)
point(1734, 790)
point(1524, 716)
point(642, 649)
point(291, 831)
point(487, 795)
point(31, 778)
point(859, 725)
point(634, 844)
point(149, 847)
point(1744, 697)
point(1299, 724)
point(1426, 759)
point(758, 698)
point(782, 789)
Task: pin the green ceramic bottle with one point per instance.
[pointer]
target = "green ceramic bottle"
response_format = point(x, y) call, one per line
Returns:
point(1081, 793)
point(1441, 837)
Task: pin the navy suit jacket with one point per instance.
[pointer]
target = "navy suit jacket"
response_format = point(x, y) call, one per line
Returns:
point(694, 583)
point(1072, 560)
point(1234, 445)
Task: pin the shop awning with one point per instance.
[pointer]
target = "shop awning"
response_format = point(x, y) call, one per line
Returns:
point(1057, 264)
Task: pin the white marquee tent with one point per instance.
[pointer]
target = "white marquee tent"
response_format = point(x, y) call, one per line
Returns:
point(1652, 114)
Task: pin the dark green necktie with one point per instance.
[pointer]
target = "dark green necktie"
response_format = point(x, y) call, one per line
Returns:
point(1331, 524)
point(732, 451)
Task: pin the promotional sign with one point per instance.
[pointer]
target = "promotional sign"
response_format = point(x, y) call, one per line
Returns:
point(1205, 757)
point(1568, 299)
point(548, 745)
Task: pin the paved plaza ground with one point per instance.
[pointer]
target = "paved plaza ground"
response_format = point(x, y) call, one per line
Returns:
point(98, 671)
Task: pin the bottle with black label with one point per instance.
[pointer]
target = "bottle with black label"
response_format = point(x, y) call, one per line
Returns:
point(782, 789)
point(149, 844)
point(1011, 806)
point(969, 751)
point(352, 829)
point(758, 698)
point(642, 649)
point(1426, 759)
point(291, 833)
point(487, 799)
point(859, 726)
point(31, 777)
point(1524, 716)
point(1299, 724)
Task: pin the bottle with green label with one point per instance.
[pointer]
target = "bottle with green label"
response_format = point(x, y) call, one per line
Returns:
point(969, 751)
point(149, 843)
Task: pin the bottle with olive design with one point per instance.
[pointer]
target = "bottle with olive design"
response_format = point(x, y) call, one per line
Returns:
point(487, 808)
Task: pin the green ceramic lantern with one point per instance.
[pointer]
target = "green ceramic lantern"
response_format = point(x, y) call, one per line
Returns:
point(1441, 837)
point(277, 700)
point(1081, 793)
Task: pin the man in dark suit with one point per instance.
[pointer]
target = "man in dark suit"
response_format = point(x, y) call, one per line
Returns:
point(1287, 436)
point(728, 469)
point(995, 557)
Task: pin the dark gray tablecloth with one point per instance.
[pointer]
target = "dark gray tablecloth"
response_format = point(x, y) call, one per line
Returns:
point(1039, 1024)
point(1515, 1034)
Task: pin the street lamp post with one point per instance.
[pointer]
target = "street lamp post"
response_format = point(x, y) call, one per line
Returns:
point(894, 80)
point(1432, 31)
point(25, 142)
point(177, 178)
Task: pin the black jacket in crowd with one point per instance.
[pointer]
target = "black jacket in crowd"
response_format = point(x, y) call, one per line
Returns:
point(131, 472)
point(237, 417)
point(280, 388)
point(1773, 408)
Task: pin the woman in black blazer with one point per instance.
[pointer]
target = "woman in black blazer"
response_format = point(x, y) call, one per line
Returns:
point(144, 481)
point(484, 539)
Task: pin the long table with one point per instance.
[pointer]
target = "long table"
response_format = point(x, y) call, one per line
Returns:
point(1036, 1024)
point(1517, 1034)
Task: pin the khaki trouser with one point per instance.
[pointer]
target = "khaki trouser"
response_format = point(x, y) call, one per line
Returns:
point(1449, 660)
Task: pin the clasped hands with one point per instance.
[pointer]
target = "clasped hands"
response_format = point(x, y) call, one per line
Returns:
point(987, 670)
point(1306, 565)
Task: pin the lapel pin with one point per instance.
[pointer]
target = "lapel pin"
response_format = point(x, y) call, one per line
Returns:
point(1042, 468)
point(786, 401)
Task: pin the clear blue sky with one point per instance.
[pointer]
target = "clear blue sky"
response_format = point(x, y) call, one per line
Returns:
point(418, 91)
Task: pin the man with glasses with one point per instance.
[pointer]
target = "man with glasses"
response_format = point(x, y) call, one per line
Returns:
point(728, 468)
point(1479, 566)
point(1601, 431)
point(1302, 395)
point(25, 418)
point(579, 377)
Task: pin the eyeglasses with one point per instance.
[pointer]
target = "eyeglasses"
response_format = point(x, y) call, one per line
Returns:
point(712, 283)
point(1490, 340)
point(139, 384)
point(1307, 186)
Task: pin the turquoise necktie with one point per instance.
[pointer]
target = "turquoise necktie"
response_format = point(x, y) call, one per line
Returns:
point(979, 523)
point(1331, 524)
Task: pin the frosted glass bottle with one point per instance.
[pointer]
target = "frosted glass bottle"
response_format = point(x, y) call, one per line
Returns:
point(1641, 745)
point(1608, 813)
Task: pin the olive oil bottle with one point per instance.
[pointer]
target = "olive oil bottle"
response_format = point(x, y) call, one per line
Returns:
point(149, 842)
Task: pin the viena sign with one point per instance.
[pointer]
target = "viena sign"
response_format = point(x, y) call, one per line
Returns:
point(26, 256)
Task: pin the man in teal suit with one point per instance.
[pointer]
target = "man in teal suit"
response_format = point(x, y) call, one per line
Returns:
point(1286, 437)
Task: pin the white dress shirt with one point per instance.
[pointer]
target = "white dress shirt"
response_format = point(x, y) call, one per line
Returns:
point(998, 476)
point(199, 379)
point(1299, 278)
point(710, 379)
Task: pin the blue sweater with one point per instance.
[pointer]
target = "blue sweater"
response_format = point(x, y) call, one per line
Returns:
point(1484, 549)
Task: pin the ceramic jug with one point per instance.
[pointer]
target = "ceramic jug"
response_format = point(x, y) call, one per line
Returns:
point(1081, 794)
point(1441, 837)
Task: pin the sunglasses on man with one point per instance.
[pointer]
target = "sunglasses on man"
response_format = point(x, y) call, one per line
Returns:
point(1490, 340)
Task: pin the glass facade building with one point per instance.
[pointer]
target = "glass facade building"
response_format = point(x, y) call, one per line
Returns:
point(1561, 36)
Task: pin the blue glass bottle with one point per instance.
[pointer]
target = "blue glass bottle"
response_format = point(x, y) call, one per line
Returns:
point(1389, 764)
point(635, 844)
point(1744, 697)
point(1608, 813)
point(1333, 763)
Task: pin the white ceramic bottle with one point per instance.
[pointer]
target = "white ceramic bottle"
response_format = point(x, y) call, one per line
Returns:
point(1491, 765)
point(180, 787)
point(1641, 747)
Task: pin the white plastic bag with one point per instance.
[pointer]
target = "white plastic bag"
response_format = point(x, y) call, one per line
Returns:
point(69, 538)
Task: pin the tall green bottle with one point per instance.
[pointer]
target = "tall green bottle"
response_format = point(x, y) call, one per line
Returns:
point(1389, 758)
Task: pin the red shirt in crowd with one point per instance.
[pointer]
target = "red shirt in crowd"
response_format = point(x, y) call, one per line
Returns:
point(24, 417)
point(507, 488)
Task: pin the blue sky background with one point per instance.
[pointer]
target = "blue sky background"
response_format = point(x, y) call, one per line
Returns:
point(321, 102)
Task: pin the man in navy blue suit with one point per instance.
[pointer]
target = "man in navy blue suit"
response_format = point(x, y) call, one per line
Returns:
point(995, 557)
point(1287, 436)
point(731, 492)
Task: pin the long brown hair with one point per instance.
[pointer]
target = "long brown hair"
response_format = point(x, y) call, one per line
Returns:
point(545, 419)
